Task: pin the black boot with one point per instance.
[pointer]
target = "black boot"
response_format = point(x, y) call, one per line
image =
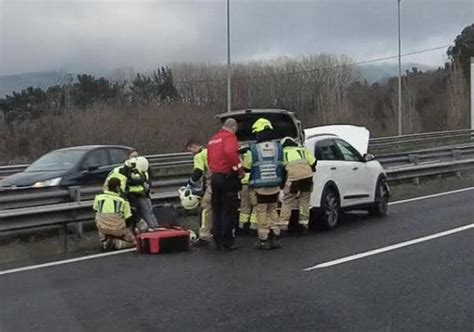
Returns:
point(275, 242)
point(263, 245)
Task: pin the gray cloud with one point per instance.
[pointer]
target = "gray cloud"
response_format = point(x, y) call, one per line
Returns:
point(39, 35)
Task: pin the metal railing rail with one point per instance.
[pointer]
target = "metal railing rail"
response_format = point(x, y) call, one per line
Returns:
point(444, 133)
point(25, 198)
point(29, 197)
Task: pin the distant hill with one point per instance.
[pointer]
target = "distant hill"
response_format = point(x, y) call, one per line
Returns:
point(382, 72)
point(9, 83)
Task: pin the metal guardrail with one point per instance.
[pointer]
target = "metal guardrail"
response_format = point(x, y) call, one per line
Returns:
point(30, 197)
point(73, 212)
point(442, 136)
point(455, 152)
point(26, 198)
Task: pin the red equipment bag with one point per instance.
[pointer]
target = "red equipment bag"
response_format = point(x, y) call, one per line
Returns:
point(165, 240)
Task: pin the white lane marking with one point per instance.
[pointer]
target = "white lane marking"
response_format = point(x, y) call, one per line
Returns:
point(432, 196)
point(67, 261)
point(73, 260)
point(389, 248)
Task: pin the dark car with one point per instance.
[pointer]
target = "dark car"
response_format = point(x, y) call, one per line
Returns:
point(80, 165)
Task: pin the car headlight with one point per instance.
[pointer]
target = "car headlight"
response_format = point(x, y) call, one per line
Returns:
point(47, 183)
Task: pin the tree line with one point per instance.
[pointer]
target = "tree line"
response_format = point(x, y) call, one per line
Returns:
point(159, 111)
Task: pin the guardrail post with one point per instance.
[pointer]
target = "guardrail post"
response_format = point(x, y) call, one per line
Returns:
point(75, 194)
point(416, 181)
point(63, 234)
point(414, 159)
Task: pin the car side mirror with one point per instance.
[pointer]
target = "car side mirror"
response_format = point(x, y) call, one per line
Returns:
point(368, 157)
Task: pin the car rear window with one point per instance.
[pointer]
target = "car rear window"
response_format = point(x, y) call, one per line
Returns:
point(283, 126)
point(118, 156)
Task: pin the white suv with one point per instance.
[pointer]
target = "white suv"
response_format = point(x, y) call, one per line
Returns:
point(346, 177)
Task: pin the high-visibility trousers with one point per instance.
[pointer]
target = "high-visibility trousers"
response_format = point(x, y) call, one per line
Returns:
point(296, 193)
point(246, 215)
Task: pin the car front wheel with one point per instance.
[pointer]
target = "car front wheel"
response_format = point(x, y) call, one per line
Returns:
point(380, 205)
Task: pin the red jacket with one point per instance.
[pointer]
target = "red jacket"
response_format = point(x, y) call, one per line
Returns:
point(223, 153)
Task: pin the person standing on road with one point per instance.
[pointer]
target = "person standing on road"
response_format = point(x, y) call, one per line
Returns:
point(224, 164)
point(300, 165)
point(200, 171)
point(112, 210)
point(135, 185)
point(265, 163)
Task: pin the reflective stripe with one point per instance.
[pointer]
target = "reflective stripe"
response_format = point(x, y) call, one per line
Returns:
point(253, 218)
point(244, 218)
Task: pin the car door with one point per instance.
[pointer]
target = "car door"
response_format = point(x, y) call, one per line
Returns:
point(327, 169)
point(94, 167)
point(355, 173)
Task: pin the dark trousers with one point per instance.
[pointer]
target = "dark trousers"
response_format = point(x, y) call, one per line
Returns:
point(224, 208)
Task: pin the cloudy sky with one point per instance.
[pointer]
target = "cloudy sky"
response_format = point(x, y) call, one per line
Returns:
point(100, 35)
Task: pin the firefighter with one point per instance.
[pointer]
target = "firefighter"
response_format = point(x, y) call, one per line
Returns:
point(135, 185)
point(265, 163)
point(112, 210)
point(247, 217)
point(300, 165)
point(201, 171)
point(225, 166)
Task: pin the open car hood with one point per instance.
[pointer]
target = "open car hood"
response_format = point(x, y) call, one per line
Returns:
point(358, 137)
point(284, 123)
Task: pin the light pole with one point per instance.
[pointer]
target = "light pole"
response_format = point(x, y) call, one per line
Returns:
point(229, 88)
point(399, 73)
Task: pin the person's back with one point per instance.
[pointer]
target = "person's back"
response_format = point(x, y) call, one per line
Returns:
point(112, 210)
point(224, 163)
point(223, 152)
point(265, 163)
point(300, 165)
point(298, 162)
point(121, 173)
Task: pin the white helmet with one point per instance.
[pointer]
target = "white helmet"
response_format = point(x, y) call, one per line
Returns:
point(131, 163)
point(142, 164)
point(189, 201)
point(192, 236)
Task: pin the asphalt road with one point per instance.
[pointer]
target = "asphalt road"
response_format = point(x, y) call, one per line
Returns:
point(428, 286)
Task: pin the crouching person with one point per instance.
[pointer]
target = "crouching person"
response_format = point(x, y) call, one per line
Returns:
point(111, 213)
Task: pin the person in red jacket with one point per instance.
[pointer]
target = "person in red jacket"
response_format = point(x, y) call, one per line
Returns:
point(224, 163)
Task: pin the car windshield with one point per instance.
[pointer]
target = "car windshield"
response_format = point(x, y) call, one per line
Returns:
point(61, 160)
point(283, 126)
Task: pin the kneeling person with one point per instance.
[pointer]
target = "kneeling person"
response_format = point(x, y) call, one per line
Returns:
point(112, 212)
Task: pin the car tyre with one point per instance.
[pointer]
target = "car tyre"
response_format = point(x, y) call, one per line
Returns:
point(380, 206)
point(329, 211)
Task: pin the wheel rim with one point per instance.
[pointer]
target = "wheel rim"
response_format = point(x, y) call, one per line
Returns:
point(331, 209)
point(382, 198)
